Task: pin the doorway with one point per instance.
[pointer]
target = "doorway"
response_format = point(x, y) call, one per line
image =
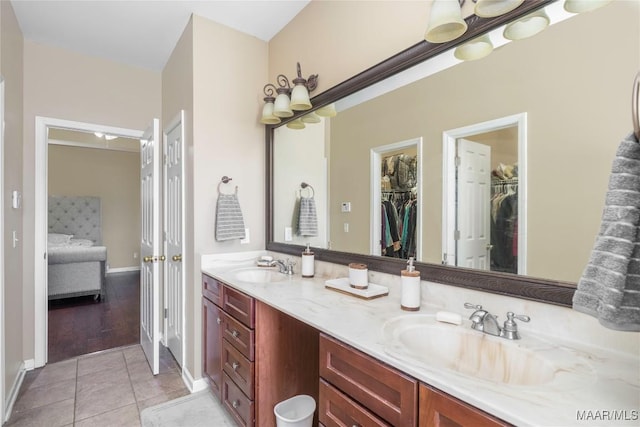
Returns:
point(396, 201)
point(97, 170)
point(43, 127)
point(484, 196)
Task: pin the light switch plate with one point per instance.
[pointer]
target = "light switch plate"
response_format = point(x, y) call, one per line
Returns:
point(345, 207)
point(16, 199)
point(288, 234)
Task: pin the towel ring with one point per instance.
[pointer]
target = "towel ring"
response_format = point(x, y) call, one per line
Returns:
point(225, 180)
point(635, 106)
point(305, 185)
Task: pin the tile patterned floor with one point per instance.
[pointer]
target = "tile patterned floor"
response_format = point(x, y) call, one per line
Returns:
point(109, 388)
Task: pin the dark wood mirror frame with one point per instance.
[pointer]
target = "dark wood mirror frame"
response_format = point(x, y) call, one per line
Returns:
point(542, 290)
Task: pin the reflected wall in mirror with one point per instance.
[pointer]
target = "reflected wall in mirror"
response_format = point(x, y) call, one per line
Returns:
point(572, 82)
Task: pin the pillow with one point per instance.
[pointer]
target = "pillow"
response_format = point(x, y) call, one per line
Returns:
point(58, 239)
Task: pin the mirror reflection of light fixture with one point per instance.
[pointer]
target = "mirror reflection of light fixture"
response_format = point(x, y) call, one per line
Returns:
point(493, 8)
point(528, 26)
point(105, 136)
point(312, 117)
point(474, 49)
point(579, 6)
point(445, 22)
point(296, 124)
point(288, 99)
point(327, 111)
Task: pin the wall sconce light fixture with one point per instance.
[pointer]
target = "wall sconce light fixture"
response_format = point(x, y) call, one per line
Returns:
point(288, 98)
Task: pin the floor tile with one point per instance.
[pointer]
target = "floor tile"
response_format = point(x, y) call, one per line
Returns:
point(161, 384)
point(125, 416)
point(45, 395)
point(55, 415)
point(101, 400)
point(54, 373)
point(101, 362)
point(162, 398)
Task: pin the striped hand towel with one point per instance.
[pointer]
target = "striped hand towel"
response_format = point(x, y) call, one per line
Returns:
point(308, 218)
point(610, 285)
point(229, 221)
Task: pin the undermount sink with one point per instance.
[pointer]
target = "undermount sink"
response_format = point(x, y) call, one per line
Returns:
point(444, 346)
point(260, 275)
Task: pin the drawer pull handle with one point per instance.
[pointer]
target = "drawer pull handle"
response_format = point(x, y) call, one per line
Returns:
point(235, 365)
point(219, 320)
point(235, 333)
point(235, 404)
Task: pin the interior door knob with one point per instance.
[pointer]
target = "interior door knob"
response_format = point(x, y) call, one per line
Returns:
point(147, 259)
point(177, 258)
point(162, 258)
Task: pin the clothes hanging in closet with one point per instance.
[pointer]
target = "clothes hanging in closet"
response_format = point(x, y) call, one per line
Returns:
point(504, 226)
point(398, 225)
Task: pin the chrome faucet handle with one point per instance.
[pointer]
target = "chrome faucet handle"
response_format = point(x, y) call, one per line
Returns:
point(510, 329)
point(472, 306)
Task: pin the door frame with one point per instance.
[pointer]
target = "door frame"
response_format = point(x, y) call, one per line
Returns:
point(42, 124)
point(376, 198)
point(178, 120)
point(2, 270)
point(449, 138)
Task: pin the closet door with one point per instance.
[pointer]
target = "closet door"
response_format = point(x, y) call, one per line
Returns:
point(474, 194)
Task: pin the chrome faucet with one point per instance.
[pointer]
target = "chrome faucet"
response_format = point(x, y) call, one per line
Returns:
point(285, 267)
point(483, 321)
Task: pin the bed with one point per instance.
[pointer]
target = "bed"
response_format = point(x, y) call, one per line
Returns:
point(76, 257)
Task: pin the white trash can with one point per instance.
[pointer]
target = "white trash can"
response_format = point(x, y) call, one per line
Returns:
point(295, 412)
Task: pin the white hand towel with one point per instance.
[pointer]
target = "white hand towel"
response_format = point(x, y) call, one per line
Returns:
point(308, 218)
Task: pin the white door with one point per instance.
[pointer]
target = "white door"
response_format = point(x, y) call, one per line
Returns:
point(473, 205)
point(174, 239)
point(150, 245)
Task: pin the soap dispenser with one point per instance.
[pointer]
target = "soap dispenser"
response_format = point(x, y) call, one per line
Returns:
point(410, 281)
point(307, 262)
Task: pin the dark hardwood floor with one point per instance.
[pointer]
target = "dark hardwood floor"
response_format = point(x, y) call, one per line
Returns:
point(80, 325)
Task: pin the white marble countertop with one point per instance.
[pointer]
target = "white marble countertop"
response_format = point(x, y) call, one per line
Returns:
point(590, 385)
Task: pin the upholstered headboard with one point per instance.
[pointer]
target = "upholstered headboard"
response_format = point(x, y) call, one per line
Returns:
point(79, 216)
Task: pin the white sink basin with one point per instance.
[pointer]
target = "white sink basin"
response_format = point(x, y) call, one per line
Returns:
point(260, 275)
point(466, 351)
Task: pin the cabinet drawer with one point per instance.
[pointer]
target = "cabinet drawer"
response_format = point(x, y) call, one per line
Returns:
point(336, 409)
point(238, 367)
point(241, 337)
point(385, 391)
point(438, 409)
point(239, 406)
point(239, 305)
point(212, 290)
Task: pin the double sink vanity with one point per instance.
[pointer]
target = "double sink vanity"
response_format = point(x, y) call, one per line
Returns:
point(269, 336)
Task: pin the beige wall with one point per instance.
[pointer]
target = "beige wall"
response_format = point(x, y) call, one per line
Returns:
point(114, 176)
point(11, 68)
point(66, 85)
point(578, 111)
point(216, 74)
point(341, 38)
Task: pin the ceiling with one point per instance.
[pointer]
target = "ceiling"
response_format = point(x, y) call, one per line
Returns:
point(142, 32)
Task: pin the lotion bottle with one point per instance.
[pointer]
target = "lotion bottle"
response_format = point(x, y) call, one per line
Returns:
point(410, 281)
point(307, 262)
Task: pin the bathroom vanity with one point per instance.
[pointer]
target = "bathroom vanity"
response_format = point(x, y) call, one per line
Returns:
point(366, 362)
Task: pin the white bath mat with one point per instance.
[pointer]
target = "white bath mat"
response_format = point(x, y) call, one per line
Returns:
point(194, 410)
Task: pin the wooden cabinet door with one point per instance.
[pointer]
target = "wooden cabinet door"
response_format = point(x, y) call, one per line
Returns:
point(383, 390)
point(438, 409)
point(212, 344)
point(338, 410)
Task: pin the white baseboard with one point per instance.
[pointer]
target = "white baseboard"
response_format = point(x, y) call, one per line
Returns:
point(194, 386)
point(29, 365)
point(15, 389)
point(123, 269)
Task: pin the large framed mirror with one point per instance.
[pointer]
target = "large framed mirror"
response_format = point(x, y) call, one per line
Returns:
point(546, 113)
